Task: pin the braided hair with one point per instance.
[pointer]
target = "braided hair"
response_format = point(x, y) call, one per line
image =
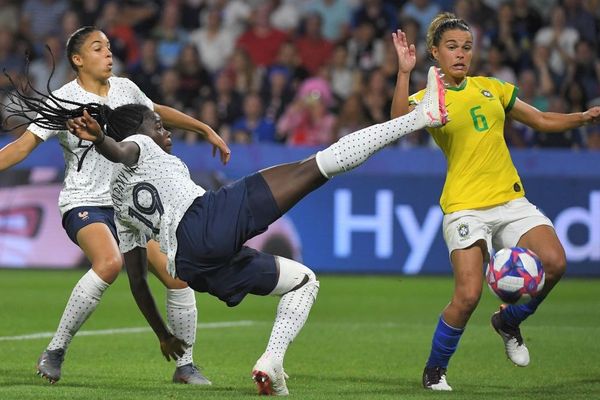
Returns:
point(51, 112)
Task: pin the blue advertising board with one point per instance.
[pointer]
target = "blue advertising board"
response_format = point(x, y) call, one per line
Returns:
point(384, 217)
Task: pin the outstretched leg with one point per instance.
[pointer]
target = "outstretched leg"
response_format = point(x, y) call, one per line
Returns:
point(289, 183)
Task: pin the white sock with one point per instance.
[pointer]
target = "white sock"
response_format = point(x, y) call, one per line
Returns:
point(183, 318)
point(292, 313)
point(354, 149)
point(83, 301)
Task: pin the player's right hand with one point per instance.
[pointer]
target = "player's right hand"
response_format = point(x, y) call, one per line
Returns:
point(173, 347)
point(407, 53)
point(85, 127)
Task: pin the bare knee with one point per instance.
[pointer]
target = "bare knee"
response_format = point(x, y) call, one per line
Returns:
point(108, 267)
point(466, 301)
point(554, 262)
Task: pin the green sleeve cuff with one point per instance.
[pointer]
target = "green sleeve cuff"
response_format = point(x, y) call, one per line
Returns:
point(513, 98)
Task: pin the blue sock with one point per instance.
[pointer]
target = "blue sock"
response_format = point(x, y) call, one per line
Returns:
point(444, 343)
point(514, 314)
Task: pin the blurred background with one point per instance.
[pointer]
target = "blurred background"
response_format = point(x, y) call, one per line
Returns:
point(280, 79)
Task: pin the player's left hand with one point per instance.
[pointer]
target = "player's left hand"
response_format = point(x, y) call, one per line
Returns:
point(592, 115)
point(173, 347)
point(219, 144)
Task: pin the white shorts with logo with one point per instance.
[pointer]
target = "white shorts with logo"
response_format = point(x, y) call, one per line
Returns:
point(500, 226)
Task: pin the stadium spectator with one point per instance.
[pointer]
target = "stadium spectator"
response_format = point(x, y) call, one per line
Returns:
point(276, 92)
point(381, 15)
point(123, 41)
point(351, 117)
point(147, 71)
point(307, 121)
point(9, 15)
point(560, 40)
point(422, 11)
point(496, 66)
point(246, 76)
point(253, 123)
point(526, 17)
point(511, 38)
point(171, 38)
point(85, 201)
point(194, 81)
point(288, 59)
point(40, 18)
point(585, 70)
point(483, 197)
point(313, 49)
point(228, 99)
point(53, 61)
point(261, 41)
point(576, 16)
point(10, 61)
point(214, 41)
point(286, 15)
point(205, 232)
point(337, 17)
point(376, 96)
point(365, 50)
point(343, 78)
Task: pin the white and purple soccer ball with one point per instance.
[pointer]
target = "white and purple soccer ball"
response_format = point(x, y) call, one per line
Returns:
point(515, 275)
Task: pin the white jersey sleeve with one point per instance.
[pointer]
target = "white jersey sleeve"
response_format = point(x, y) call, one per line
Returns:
point(87, 173)
point(151, 197)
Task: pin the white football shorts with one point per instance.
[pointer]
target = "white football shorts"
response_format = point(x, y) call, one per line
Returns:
point(500, 226)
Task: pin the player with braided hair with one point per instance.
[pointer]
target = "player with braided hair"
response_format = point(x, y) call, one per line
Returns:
point(85, 202)
point(203, 232)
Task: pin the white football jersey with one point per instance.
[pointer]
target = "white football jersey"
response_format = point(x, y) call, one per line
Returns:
point(151, 197)
point(90, 185)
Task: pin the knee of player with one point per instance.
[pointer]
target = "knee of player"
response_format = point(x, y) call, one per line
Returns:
point(554, 263)
point(108, 267)
point(293, 276)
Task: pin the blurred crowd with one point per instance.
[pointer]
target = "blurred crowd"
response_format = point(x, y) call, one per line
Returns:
point(306, 72)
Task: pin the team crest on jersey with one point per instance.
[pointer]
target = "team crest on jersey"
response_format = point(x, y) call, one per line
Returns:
point(463, 230)
point(487, 93)
point(84, 215)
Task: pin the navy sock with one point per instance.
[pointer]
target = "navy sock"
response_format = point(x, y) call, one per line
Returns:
point(514, 314)
point(444, 343)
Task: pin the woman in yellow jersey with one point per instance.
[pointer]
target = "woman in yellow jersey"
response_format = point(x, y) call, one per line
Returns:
point(483, 197)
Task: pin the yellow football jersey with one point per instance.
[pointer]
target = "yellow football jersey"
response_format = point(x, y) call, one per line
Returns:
point(480, 170)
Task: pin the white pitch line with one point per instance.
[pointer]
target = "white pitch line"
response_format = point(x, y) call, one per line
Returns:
point(100, 332)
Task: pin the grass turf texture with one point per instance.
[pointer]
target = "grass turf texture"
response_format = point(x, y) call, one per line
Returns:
point(367, 338)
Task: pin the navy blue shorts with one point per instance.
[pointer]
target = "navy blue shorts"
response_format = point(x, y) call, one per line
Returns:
point(210, 253)
point(79, 217)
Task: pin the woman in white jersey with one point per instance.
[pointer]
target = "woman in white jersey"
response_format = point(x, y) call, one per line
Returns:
point(85, 202)
point(203, 232)
point(483, 198)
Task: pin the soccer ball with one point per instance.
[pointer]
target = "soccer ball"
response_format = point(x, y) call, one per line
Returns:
point(515, 275)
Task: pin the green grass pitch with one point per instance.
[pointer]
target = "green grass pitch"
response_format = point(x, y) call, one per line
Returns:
point(367, 338)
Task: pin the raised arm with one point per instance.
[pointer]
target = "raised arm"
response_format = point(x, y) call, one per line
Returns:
point(407, 58)
point(174, 118)
point(552, 122)
point(87, 128)
point(137, 269)
point(14, 152)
